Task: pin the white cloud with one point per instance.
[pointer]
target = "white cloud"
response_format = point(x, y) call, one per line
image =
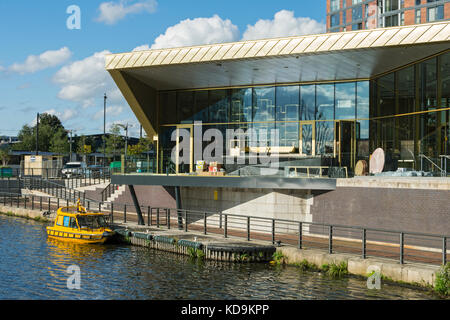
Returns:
point(284, 24)
point(195, 32)
point(43, 61)
point(139, 48)
point(112, 111)
point(111, 12)
point(85, 81)
point(66, 115)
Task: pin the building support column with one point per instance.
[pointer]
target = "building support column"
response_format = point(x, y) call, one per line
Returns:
point(179, 208)
point(136, 205)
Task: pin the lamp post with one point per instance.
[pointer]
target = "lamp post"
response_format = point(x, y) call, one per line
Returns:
point(37, 134)
point(126, 136)
point(104, 130)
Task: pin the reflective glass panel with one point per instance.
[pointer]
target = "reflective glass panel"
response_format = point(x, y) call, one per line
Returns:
point(287, 115)
point(219, 106)
point(307, 102)
point(185, 106)
point(345, 100)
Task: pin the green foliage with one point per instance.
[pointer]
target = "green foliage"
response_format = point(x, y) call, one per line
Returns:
point(304, 265)
point(196, 253)
point(52, 135)
point(336, 270)
point(278, 258)
point(143, 146)
point(4, 155)
point(59, 142)
point(442, 283)
point(114, 142)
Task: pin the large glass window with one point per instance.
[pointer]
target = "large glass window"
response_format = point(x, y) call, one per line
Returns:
point(287, 115)
point(391, 21)
point(241, 105)
point(185, 106)
point(201, 106)
point(357, 13)
point(334, 20)
point(435, 13)
point(390, 5)
point(428, 84)
point(325, 111)
point(386, 95)
point(445, 76)
point(345, 100)
point(219, 106)
point(263, 115)
point(307, 102)
point(334, 5)
point(168, 107)
point(362, 114)
point(405, 125)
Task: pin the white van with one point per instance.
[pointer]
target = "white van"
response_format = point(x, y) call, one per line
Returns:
point(73, 169)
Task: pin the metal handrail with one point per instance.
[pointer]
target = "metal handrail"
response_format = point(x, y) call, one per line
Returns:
point(431, 161)
point(244, 226)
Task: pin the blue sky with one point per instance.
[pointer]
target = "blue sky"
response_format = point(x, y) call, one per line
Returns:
point(46, 67)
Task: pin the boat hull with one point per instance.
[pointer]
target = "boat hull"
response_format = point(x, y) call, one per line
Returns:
point(77, 237)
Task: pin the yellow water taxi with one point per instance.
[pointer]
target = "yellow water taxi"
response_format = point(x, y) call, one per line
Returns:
point(75, 224)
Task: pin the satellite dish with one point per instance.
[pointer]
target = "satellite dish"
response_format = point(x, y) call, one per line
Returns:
point(376, 163)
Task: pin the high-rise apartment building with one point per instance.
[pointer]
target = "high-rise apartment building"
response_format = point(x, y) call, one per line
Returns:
point(346, 15)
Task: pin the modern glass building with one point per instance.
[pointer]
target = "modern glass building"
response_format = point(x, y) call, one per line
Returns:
point(345, 15)
point(321, 101)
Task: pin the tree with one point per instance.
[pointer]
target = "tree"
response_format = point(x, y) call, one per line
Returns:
point(4, 156)
point(114, 142)
point(51, 134)
point(143, 146)
point(59, 143)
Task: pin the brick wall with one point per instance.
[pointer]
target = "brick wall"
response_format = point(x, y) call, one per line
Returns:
point(409, 210)
point(154, 196)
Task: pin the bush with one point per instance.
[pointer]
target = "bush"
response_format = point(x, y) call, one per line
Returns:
point(336, 270)
point(442, 284)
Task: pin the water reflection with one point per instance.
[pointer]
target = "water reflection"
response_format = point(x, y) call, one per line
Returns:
point(33, 267)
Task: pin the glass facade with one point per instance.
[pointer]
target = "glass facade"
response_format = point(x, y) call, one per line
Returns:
point(405, 112)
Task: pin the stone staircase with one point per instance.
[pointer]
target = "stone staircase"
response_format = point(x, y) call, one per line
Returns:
point(117, 193)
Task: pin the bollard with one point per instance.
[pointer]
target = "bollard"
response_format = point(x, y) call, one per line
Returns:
point(248, 228)
point(300, 235)
point(402, 240)
point(204, 223)
point(364, 240)
point(124, 213)
point(273, 231)
point(444, 251)
point(330, 240)
point(225, 229)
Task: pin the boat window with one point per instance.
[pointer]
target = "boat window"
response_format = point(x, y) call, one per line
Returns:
point(66, 221)
point(73, 223)
point(59, 221)
point(91, 222)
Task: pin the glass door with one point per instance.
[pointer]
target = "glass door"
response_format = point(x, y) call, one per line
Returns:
point(184, 146)
point(307, 143)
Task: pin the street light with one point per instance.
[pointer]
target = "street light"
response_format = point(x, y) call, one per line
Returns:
point(125, 127)
point(104, 130)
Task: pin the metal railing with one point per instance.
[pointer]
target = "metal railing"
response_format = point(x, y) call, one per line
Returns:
point(422, 156)
point(366, 242)
point(83, 177)
point(108, 191)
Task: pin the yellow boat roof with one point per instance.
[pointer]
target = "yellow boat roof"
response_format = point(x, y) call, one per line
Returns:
point(73, 211)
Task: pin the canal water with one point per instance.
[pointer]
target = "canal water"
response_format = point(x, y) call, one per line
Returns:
point(33, 267)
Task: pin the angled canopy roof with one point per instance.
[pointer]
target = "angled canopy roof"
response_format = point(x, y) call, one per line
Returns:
point(361, 54)
point(325, 57)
